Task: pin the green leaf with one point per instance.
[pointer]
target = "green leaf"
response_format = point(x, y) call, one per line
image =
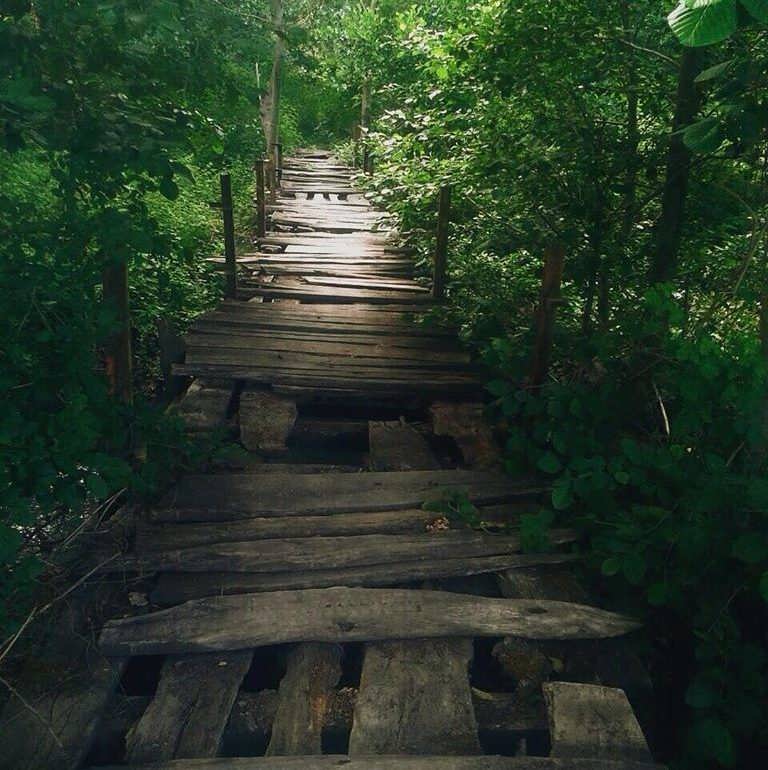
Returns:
point(97, 486)
point(634, 566)
point(611, 566)
point(710, 738)
point(711, 73)
point(757, 8)
point(549, 463)
point(709, 22)
point(751, 549)
point(764, 586)
point(704, 136)
point(562, 495)
point(701, 694)
point(168, 188)
point(657, 594)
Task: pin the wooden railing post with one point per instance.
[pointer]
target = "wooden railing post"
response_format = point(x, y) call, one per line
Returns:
point(441, 246)
point(278, 153)
point(551, 279)
point(230, 260)
point(118, 346)
point(261, 200)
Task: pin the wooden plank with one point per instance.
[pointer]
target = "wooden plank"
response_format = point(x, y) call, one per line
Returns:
point(396, 446)
point(343, 762)
point(415, 699)
point(190, 710)
point(592, 721)
point(343, 614)
point(414, 696)
point(243, 495)
point(178, 587)
point(250, 350)
point(313, 553)
point(280, 290)
point(304, 699)
point(171, 536)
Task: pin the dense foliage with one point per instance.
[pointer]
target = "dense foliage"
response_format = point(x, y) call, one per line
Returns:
point(631, 135)
point(588, 125)
point(116, 117)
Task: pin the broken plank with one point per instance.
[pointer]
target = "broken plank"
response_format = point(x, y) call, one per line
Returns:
point(343, 614)
point(415, 698)
point(593, 721)
point(188, 714)
point(178, 587)
point(343, 762)
point(304, 699)
point(397, 446)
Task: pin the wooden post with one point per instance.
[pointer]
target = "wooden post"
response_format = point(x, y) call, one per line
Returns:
point(278, 155)
point(545, 313)
point(261, 200)
point(118, 345)
point(365, 112)
point(441, 247)
point(230, 259)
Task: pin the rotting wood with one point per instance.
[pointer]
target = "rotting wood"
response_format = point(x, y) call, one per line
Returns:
point(204, 407)
point(397, 446)
point(415, 698)
point(177, 587)
point(242, 496)
point(593, 721)
point(266, 420)
point(348, 615)
point(188, 714)
point(343, 762)
point(316, 553)
point(304, 699)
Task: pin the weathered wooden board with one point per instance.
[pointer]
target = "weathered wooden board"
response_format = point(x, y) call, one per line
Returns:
point(415, 698)
point(592, 721)
point(314, 553)
point(397, 446)
point(243, 495)
point(349, 615)
point(339, 762)
point(190, 710)
point(178, 587)
point(304, 699)
point(174, 536)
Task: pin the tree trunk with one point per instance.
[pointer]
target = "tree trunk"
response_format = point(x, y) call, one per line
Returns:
point(118, 346)
point(270, 101)
point(669, 228)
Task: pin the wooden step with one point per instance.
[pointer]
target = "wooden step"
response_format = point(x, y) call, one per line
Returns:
point(241, 495)
point(349, 615)
point(343, 762)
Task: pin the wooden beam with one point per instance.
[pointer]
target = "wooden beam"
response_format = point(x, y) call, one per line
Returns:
point(349, 615)
point(118, 359)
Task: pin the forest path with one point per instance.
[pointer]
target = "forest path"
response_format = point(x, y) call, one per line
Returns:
point(306, 610)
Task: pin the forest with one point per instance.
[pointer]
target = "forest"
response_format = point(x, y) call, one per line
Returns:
point(629, 138)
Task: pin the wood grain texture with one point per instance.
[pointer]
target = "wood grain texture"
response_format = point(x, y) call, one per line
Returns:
point(304, 699)
point(592, 721)
point(188, 714)
point(241, 496)
point(336, 762)
point(348, 615)
point(177, 587)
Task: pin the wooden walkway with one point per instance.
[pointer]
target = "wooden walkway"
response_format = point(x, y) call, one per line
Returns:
point(346, 325)
point(310, 617)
